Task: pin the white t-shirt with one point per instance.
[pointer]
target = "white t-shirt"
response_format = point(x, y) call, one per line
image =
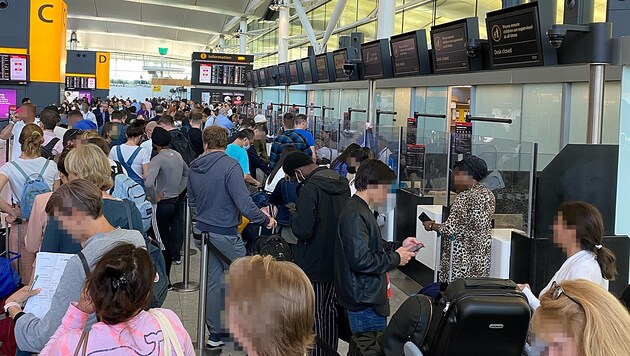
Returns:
point(17, 147)
point(126, 150)
point(90, 116)
point(582, 265)
point(59, 132)
point(32, 167)
point(271, 186)
point(147, 145)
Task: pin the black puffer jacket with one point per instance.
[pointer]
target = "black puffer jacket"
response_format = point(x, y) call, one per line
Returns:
point(321, 197)
point(361, 259)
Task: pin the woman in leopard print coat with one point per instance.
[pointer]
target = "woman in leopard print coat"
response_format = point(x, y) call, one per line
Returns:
point(469, 221)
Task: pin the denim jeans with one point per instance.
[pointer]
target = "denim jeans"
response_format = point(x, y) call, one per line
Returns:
point(366, 320)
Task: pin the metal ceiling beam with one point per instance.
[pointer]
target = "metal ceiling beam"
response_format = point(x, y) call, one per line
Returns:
point(332, 23)
point(140, 23)
point(308, 28)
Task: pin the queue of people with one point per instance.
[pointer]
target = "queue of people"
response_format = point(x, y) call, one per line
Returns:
point(329, 216)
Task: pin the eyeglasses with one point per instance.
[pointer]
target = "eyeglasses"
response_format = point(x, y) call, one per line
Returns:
point(558, 291)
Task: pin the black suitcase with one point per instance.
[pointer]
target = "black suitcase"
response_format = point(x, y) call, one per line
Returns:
point(480, 316)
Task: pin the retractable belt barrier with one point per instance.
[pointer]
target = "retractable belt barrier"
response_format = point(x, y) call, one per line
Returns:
point(186, 286)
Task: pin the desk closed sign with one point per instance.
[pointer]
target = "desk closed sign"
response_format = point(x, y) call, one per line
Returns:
point(514, 35)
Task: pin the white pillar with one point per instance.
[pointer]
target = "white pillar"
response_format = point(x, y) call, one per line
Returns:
point(283, 33)
point(243, 38)
point(222, 43)
point(385, 19)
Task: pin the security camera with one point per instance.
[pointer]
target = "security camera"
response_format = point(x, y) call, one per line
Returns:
point(556, 36)
point(348, 68)
point(472, 47)
point(4, 4)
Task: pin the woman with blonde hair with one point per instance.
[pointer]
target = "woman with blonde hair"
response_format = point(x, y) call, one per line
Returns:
point(28, 166)
point(271, 307)
point(580, 318)
point(87, 162)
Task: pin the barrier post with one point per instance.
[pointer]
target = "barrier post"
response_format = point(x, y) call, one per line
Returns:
point(186, 285)
point(203, 284)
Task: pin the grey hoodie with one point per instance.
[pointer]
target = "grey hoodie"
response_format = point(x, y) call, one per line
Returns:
point(32, 333)
point(217, 190)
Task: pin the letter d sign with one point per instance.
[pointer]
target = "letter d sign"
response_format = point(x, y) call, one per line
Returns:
point(102, 58)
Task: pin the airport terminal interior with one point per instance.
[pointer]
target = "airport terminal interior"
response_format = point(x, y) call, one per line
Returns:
point(315, 177)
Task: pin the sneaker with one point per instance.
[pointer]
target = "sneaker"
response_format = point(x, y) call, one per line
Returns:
point(214, 341)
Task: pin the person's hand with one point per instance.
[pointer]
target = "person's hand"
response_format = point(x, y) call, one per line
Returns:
point(405, 255)
point(410, 243)
point(159, 197)
point(272, 223)
point(523, 286)
point(22, 295)
point(85, 303)
point(428, 225)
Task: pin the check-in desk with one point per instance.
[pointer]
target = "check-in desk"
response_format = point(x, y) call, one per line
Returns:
point(429, 257)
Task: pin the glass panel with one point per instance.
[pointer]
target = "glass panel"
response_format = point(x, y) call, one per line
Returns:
point(498, 101)
point(368, 30)
point(298, 97)
point(418, 18)
point(450, 11)
point(356, 99)
point(612, 94)
point(349, 14)
point(485, 6)
point(542, 113)
point(384, 99)
point(436, 103)
point(579, 113)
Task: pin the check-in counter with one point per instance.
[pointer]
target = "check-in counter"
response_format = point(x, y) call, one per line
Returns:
point(430, 255)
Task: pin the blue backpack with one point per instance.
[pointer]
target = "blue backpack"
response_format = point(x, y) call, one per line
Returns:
point(32, 188)
point(126, 188)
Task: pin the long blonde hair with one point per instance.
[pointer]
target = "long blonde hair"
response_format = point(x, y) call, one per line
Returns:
point(600, 324)
point(31, 139)
point(274, 305)
point(89, 162)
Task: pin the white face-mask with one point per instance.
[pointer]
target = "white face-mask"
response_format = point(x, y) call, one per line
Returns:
point(246, 147)
point(300, 176)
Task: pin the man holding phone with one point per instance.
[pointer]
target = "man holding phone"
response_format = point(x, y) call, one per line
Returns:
point(363, 258)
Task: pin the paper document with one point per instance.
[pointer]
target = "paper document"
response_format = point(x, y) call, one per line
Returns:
point(48, 271)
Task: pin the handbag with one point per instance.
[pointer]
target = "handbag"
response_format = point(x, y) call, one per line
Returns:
point(170, 337)
point(82, 345)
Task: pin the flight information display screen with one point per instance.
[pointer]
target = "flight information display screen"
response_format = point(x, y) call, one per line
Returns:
point(13, 68)
point(80, 82)
point(372, 61)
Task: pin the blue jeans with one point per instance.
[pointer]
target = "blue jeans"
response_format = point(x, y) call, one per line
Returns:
point(366, 320)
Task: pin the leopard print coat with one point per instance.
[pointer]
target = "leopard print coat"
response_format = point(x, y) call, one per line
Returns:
point(470, 221)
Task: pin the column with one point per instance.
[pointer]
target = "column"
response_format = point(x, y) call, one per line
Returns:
point(243, 38)
point(283, 33)
point(385, 19)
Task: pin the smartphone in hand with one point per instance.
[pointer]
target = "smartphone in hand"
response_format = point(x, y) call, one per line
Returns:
point(416, 248)
point(424, 217)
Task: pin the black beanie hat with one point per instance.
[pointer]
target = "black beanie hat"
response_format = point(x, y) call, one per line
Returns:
point(474, 165)
point(161, 137)
point(294, 161)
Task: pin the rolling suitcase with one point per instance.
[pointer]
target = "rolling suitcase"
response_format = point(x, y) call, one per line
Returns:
point(480, 316)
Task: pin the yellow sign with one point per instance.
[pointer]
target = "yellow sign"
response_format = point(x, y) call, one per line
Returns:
point(157, 88)
point(204, 56)
point(47, 40)
point(5, 50)
point(102, 70)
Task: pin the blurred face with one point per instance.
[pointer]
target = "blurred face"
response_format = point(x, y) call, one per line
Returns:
point(462, 179)
point(75, 223)
point(553, 341)
point(378, 193)
point(563, 236)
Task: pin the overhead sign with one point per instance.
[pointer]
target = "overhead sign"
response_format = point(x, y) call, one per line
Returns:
point(222, 57)
point(448, 42)
point(102, 70)
point(47, 40)
point(220, 69)
point(514, 36)
point(157, 88)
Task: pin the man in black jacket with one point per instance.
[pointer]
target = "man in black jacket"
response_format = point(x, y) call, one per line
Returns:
point(362, 258)
point(321, 196)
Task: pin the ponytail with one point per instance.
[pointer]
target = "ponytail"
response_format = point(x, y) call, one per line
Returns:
point(607, 262)
point(31, 139)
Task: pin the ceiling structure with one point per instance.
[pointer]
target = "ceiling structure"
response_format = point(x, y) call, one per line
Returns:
point(142, 26)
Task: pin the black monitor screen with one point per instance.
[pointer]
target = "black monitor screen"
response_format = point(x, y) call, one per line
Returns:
point(340, 58)
point(269, 76)
point(282, 74)
point(293, 72)
point(13, 68)
point(405, 55)
point(321, 64)
point(254, 76)
point(262, 78)
point(306, 69)
point(372, 60)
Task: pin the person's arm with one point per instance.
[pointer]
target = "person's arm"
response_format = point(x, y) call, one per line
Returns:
point(354, 236)
point(250, 180)
point(276, 151)
point(305, 217)
point(240, 196)
point(56, 184)
point(4, 206)
point(314, 153)
point(7, 131)
point(32, 333)
point(68, 333)
point(192, 199)
point(150, 180)
point(36, 223)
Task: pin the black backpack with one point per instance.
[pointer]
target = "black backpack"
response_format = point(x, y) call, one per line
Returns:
point(46, 151)
point(275, 246)
point(411, 322)
point(180, 143)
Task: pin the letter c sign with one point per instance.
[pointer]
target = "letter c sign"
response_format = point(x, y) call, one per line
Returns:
point(40, 13)
point(102, 58)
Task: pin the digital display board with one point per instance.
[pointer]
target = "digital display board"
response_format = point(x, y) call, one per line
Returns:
point(514, 36)
point(449, 48)
point(283, 76)
point(8, 98)
point(262, 78)
point(321, 65)
point(377, 62)
point(13, 68)
point(339, 58)
point(306, 70)
point(80, 82)
point(218, 69)
point(272, 75)
point(410, 54)
point(293, 72)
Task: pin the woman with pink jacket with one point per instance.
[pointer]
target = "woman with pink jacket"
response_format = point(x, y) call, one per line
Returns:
point(117, 290)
